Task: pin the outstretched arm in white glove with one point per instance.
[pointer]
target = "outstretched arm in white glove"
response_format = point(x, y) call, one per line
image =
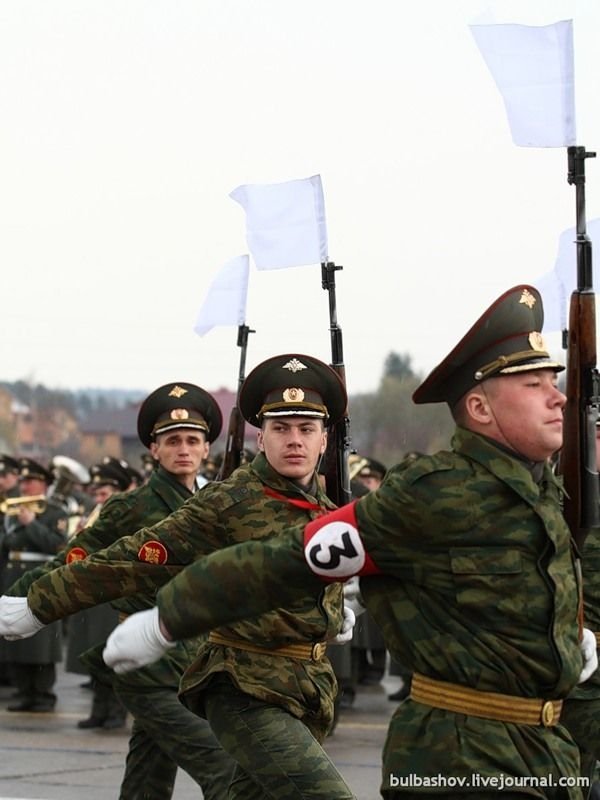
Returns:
point(589, 651)
point(136, 642)
point(16, 619)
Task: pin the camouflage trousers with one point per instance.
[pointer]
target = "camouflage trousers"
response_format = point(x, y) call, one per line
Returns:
point(166, 735)
point(582, 719)
point(277, 756)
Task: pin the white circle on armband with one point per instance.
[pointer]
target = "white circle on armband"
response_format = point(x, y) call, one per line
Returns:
point(335, 551)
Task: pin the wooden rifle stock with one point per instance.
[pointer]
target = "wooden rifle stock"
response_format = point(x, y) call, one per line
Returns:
point(337, 476)
point(234, 445)
point(577, 459)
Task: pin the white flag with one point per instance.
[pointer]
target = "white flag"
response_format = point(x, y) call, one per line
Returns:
point(557, 286)
point(285, 222)
point(533, 68)
point(225, 302)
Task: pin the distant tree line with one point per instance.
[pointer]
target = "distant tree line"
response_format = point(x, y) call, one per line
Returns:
point(81, 402)
point(387, 425)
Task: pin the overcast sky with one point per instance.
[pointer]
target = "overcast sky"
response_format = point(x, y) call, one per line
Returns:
point(126, 123)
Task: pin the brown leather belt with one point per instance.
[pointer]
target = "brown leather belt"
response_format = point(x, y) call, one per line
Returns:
point(303, 652)
point(488, 705)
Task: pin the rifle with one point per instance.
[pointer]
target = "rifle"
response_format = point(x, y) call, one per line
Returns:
point(577, 459)
point(234, 445)
point(337, 477)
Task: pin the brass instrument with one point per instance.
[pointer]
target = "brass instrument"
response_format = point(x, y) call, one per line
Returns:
point(355, 464)
point(12, 506)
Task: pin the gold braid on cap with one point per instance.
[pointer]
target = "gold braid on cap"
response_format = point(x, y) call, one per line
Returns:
point(505, 361)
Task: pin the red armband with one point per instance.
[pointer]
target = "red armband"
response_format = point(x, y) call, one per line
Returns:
point(333, 548)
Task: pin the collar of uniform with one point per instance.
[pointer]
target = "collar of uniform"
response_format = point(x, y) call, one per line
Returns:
point(267, 475)
point(160, 474)
point(508, 468)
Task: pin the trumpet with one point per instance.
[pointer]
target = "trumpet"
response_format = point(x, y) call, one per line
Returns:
point(12, 506)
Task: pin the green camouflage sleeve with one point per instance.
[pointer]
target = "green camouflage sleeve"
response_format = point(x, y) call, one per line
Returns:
point(139, 563)
point(238, 582)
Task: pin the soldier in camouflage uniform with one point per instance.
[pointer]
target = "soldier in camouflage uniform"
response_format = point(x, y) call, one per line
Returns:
point(176, 422)
point(469, 570)
point(265, 685)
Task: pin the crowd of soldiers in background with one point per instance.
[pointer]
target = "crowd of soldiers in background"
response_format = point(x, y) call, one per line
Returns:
point(43, 507)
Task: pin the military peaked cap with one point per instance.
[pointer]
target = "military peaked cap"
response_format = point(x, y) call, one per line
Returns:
point(178, 405)
point(110, 472)
point(293, 385)
point(504, 340)
point(28, 468)
point(8, 464)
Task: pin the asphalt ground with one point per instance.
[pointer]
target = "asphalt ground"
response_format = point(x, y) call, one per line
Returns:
point(46, 757)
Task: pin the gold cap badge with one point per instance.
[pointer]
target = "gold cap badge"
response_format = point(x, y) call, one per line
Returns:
point(527, 298)
point(177, 391)
point(536, 340)
point(293, 395)
point(179, 413)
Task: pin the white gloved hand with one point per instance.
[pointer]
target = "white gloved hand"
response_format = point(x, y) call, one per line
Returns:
point(352, 598)
point(136, 642)
point(589, 651)
point(16, 618)
point(345, 634)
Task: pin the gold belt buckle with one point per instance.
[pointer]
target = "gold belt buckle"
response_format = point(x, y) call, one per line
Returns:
point(547, 715)
point(318, 651)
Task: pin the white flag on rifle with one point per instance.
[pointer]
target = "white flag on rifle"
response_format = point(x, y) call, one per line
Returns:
point(534, 69)
point(225, 302)
point(285, 222)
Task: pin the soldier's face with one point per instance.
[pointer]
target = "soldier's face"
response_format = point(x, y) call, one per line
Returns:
point(293, 446)
point(32, 486)
point(527, 412)
point(181, 452)
point(7, 481)
point(102, 493)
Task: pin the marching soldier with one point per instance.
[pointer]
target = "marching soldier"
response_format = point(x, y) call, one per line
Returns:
point(177, 422)
point(34, 534)
point(266, 685)
point(468, 568)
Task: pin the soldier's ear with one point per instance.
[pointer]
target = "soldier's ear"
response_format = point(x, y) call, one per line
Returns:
point(323, 441)
point(478, 408)
point(259, 441)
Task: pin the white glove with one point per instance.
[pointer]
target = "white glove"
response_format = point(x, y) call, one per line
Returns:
point(16, 618)
point(589, 651)
point(345, 634)
point(352, 598)
point(136, 642)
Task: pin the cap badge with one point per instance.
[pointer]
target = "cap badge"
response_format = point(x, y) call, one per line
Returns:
point(177, 391)
point(536, 340)
point(527, 298)
point(179, 413)
point(293, 395)
point(294, 365)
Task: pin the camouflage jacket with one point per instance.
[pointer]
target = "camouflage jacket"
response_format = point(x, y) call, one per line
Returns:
point(591, 606)
point(252, 503)
point(125, 513)
point(477, 586)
